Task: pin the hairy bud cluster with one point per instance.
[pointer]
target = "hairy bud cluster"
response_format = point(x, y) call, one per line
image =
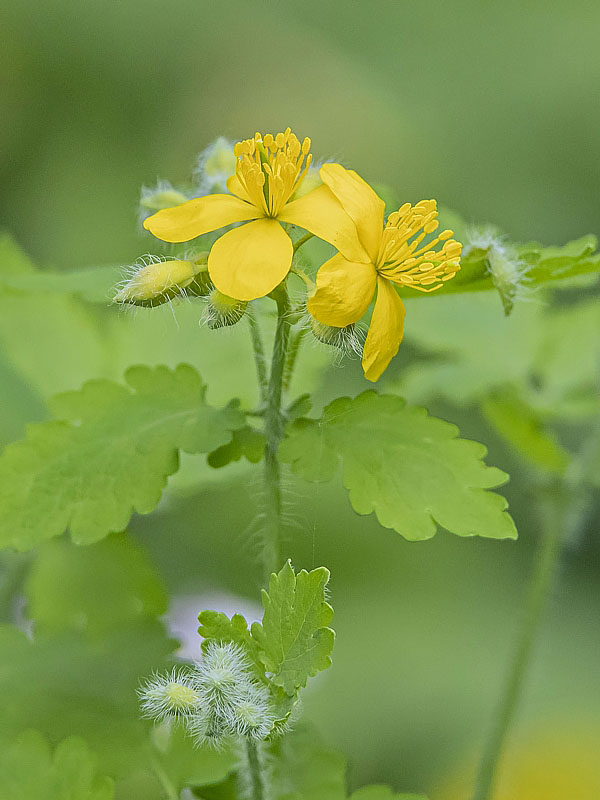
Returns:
point(218, 699)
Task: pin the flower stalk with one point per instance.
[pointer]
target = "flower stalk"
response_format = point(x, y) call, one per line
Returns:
point(555, 509)
point(254, 768)
point(272, 528)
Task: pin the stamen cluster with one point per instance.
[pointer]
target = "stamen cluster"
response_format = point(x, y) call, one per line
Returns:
point(401, 262)
point(271, 168)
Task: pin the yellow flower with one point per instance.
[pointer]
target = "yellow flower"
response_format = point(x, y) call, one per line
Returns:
point(345, 286)
point(250, 261)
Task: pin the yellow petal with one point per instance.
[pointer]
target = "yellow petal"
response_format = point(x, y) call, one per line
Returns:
point(235, 187)
point(344, 291)
point(320, 213)
point(198, 216)
point(250, 261)
point(362, 204)
point(385, 332)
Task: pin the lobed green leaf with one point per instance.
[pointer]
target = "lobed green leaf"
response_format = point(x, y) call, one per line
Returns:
point(29, 770)
point(294, 639)
point(108, 454)
point(407, 467)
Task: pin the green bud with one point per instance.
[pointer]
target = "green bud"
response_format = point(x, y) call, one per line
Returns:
point(223, 311)
point(160, 281)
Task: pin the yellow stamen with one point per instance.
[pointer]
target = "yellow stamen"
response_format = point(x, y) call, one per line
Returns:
point(271, 168)
point(401, 262)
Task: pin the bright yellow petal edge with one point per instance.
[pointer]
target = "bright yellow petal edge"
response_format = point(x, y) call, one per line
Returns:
point(397, 257)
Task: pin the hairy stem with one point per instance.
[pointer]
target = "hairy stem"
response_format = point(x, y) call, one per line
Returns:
point(272, 528)
point(259, 354)
point(553, 517)
point(256, 779)
point(292, 356)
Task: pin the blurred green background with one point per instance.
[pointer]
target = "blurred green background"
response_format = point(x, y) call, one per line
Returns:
point(490, 107)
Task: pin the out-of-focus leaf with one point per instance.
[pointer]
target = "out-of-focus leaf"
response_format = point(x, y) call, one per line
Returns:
point(94, 589)
point(304, 769)
point(378, 792)
point(407, 467)
point(29, 771)
point(109, 453)
point(294, 639)
point(474, 347)
point(246, 443)
point(525, 432)
point(64, 684)
point(185, 764)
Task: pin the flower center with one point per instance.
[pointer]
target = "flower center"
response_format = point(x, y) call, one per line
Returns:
point(271, 168)
point(402, 261)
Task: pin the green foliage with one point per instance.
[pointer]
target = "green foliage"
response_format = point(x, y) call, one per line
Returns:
point(291, 644)
point(109, 453)
point(525, 431)
point(303, 768)
point(96, 590)
point(540, 265)
point(216, 626)
point(294, 638)
point(379, 792)
point(29, 770)
point(245, 443)
point(96, 636)
point(407, 467)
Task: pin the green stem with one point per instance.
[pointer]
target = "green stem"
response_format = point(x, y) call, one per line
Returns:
point(255, 770)
point(259, 354)
point(546, 559)
point(169, 789)
point(272, 527)
point(292, 356)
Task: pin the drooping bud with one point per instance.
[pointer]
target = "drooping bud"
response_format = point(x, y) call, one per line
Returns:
point(154, 283)
point(222, 311)
point(508, 271)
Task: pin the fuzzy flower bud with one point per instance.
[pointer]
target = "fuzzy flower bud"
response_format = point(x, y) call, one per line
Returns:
point(169, 697)
point(156, 282)
point(155, 198)
point(508, 271)
point(214, 165)
point(222, 311)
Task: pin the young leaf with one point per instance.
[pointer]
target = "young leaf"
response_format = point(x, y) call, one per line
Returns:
point(407, 467)
point(101, 588)
point(216, 626)
point(29, 770)
point(294, 639)
point(245, 442)
point(109, 454)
